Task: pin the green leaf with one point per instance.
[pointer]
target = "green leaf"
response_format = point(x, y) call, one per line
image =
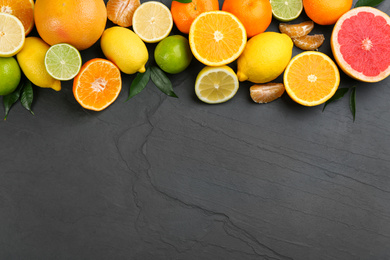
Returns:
point(352, 102)
point(162, 81)
point(183, 1)
point(27, 96)
point(139, 83)
point(11, 99)
point(338, 95)
point(371, 3)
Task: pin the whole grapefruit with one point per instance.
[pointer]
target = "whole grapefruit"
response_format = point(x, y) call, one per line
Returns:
point(361, 44)
point(78, 23)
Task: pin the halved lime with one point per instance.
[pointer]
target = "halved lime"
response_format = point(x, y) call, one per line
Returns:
point(286, 10)
point(63, 61)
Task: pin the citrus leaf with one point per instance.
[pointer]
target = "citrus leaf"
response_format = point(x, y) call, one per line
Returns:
point(162, 81)
point(139, 83)
point(371, 3)
point(183, 1)
point(11, 98)
point(27, 96)
point(352, 103)
point(338, 95)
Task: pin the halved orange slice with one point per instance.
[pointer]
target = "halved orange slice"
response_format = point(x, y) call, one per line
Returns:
point(97, 85)
point(22, 9)
point(217, 38)
point(311, 78)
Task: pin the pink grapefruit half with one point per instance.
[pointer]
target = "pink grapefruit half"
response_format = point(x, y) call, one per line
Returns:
point(361, 44)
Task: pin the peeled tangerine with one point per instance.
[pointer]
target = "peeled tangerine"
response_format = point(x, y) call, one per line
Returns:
point(265, 57)
point(124, 48)
point(31, 60)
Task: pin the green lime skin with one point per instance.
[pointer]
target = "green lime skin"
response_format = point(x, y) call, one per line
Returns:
point(10, 75)
point(173, 54)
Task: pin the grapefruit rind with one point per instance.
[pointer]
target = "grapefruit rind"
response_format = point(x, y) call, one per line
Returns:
point(343, 64)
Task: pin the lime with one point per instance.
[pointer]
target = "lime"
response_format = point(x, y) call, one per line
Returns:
point(216, 85)
point(173, 54)
point(63, 61)
point(9, 74)
point(286, 10)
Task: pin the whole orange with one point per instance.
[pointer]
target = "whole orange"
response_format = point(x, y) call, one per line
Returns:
point(255, 15)
point(326, 12)
point(79, 23)
point(184, 14)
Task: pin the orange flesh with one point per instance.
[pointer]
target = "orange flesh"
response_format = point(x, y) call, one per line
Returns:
point(22, 9)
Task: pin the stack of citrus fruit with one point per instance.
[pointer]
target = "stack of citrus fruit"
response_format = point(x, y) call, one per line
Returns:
point(216, 38)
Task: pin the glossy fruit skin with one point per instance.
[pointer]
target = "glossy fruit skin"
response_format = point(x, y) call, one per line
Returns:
point(255, 15)
point(173, 54)
point(184, 14)
point(124, 48)
point(79, 23)
point(31, 60)
point(10, 75)
point(326, 12)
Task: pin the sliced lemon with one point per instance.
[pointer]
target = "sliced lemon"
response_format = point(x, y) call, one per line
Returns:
point(152, 21)
point(11, 35)
point(216, 85)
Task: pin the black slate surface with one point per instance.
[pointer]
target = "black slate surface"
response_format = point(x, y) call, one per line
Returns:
point(164, 178)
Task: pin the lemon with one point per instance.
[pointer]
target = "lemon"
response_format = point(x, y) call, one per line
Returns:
point(265, 57)
point(12, 34)
point(10, 75)
point(31, 60)
point(216, 85)
point(124, 48)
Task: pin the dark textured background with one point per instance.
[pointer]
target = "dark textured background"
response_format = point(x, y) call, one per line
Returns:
point(164, 178)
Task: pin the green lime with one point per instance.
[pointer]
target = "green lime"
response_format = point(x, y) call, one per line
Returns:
point(10, 75)
point(173, 54)
point(286, 10)
point(63, 61)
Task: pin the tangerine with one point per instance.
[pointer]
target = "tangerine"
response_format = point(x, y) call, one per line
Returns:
point(184, 14)
point(326, 12)
point(255, 15)
point(22, 9)
point(121, 12)
point(78, 23)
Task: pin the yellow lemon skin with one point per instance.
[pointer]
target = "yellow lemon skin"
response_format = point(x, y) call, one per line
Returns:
point(265, 57)
point(31, 60)
point(124, 48)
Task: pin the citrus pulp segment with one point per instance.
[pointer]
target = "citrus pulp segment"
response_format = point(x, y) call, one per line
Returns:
point(152, 21)
point(216, 84)
point(361, 44)
point(217, 38)
point(311, 78)
point(121, 12)
point(286, 10)
point(98, 84)
point(63, 61)
point(12, 35)
point(22, 9)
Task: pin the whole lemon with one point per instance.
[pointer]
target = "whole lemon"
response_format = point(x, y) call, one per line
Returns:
point(79, 23)
point(124, 48)
point(173, 54)
point(265, 57)
point(31, 60)
point(9, 74)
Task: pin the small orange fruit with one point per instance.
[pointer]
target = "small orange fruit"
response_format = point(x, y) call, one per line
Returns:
point(296, 30)
point(22, 9)
point(184, 14)
point(78, 23)
point(311, 78)
point(217, 38)
point(326, 12)
point(265, 93)
point(255, 15)
point(309, 42)
point(97, 85)
point(121, 12)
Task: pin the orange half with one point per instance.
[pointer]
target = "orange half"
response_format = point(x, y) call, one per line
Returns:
point(97, 85)
point(22, 9)
point(311, 78)
point(217, 38)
